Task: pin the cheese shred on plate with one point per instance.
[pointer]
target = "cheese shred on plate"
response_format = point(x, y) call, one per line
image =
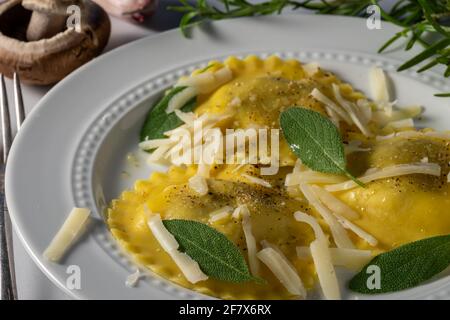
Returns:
point(72, 228)
point(353, 259)
point(389, 172)
point(198, 184)
point(340, 236)
point(379, 84)
point(325, 269)
point(220, 214)
point(251, 243)
point(187, 265)
point(322, 258)
point(357, 230)
point(284, 272)
point(334, 204)
point(256, 180)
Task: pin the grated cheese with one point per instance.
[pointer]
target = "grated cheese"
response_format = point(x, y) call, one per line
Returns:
point(208, 81)
point(325, 269)
point(405, 123)
point(190, 268)
point(309, 176)
point(159, 153)
point(379, 84)
point(256, 180)
point(311, 68)
point(334, 204)
point(220, 214)
point(340, 236)
point(388, 172)
point(180, 99)
point(349, 107)
point(241, 209)
point(312, 222)
point(319, 96)
point(155, 143)
point(357, 230)
point(251, 243)
point(353, 259)
point(354, 146)
point(198, 184)
point(186, 117)
point(71, 229)
point(284, 272)
point(321, 257)
point(133, 279)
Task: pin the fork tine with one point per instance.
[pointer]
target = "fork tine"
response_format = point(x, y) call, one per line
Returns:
point(20, 111)
point(6, 123)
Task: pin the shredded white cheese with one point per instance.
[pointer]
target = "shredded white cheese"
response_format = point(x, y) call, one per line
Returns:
point(180, 99)
point(155, 143)
point(159, 153)
point(133, 279)
point(256, 180)
point(312, 222)
point(251, 243)
point(284, 272)
point(388, 172)
point(357, 230)
point(311, 68)
point(321, 256)
point(71, 229)
point(334, 204)
point(379, 84)
point(325, 269)
point(220, 214)
point(340, 236)
point(319, 96)
point(350, 108)
point(241, 209)
point(405, 123)
point(186, 117)
point(309, 176)
point(208, 81)
point(198, 184)
point(190, 268)
point(353, 259)
point(354, 146)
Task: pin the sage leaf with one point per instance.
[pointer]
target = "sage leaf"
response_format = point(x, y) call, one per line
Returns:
point(315, 140)
point(158, 121)
point(405, 267)
point(217, 256)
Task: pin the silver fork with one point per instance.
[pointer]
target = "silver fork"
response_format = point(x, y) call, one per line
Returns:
point(7, 274)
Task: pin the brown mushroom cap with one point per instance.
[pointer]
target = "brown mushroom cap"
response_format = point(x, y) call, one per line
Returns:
point(47, 61)
point(48, 17)
point(58, 7)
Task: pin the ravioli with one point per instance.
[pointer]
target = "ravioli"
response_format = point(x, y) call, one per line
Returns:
point(262, 89)
point(168, 194)
point(405, 208)
point(394, 210)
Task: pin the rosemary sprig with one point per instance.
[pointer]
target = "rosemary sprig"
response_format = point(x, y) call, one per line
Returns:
point(423, 22)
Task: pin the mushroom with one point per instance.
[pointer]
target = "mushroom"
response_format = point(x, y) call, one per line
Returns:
point(58, 51)
point(48, 17)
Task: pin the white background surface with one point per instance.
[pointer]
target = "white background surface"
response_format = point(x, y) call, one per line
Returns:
point(31, 282)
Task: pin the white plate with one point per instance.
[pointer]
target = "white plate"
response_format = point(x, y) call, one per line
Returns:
point(73, 147)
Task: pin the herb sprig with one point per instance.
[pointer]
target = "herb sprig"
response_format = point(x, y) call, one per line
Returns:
point(315, 140)
point(404, 267)
point(421, 20)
